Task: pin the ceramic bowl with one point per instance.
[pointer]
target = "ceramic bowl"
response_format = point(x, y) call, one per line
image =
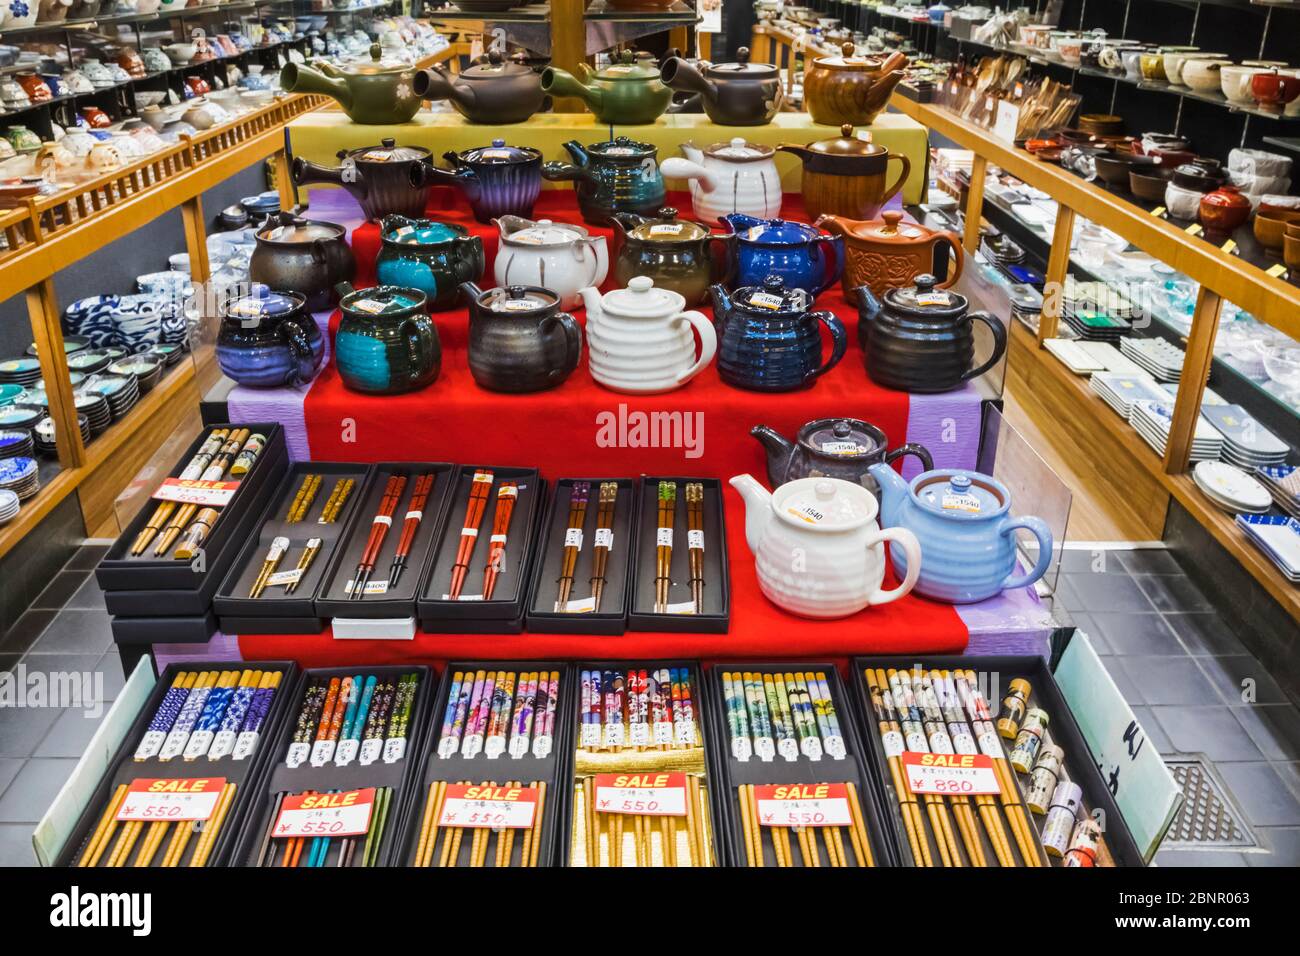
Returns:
point(1278, 206)
point(1270, 230)
point(1176, 64)
point(1234, 81)
point(1202, 75)
point(1153, 66)
point(1182, 203)
point(147, 98)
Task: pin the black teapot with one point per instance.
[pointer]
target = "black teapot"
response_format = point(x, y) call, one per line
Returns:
point(833, 448)
point(519, 340)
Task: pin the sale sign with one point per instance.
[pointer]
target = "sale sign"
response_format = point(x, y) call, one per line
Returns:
point(208, 494)
point(167, 800)
point(497, 808)
point(653, 794)
point(950, 774)
point(343, 814)
point(803, 805)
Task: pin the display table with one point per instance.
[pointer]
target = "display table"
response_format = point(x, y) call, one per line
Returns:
point(320, 135)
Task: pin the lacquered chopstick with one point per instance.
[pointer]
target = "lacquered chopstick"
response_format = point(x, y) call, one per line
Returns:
point(480, 487)
point(578, 495)
point(507, 494)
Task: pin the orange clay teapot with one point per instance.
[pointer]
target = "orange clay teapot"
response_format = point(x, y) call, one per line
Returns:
point(887, 253)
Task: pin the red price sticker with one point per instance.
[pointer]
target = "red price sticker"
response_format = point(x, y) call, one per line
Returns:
point(210, 494)
point(950, 774)
point(326, 814)
point(150, 800)
point(653, 794)
point(803, 805)
point(498, 808)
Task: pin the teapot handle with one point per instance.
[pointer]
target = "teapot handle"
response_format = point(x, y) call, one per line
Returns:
point(911, 549)
point(421, 342)
point(1044, 535)
point(720, 264)
point(834, 256)
point(708, 343)
point(921, 453)
point(295, 336)
point(839, 342)
point(572, 343)
point(999, 343)
point(959, 256)
point(892, 191)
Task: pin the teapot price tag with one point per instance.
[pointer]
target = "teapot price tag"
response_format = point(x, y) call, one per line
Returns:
point(803, 805)
point(370, 306)
point(953, 774)
point(495, 154)
point(765, 300)
point(377, 156)
point(666, 229)
point(933, 298)
point(960, 502)
point(842, 448)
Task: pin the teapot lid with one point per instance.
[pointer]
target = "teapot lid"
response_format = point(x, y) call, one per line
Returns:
point(629, 66)
point(643, 300)
point(668, 228)
point(824, 504)
point(289, 228)
point(846, 144)
point(849, 60)
point(842, 437)
point(424, 232)
point(519, 298)
point(499, 153)
point(925, 300)
point(964, 495)
point(740, 151)
point(543, 232)
point(742, 68)
point(622, 146)
point(891, 227)
point(772, 296)
point(494, 66)
point(262, 303)
point(776, 232)
point(383, 300)
point(376, 64)
point(386, 152)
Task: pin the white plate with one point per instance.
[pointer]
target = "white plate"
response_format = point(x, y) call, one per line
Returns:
point(1231, 486)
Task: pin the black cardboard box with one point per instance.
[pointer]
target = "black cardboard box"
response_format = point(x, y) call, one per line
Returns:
point(504, 613)
point(716, 615)
point(450, 766)
point(278, 779)
point(275, 611)
point(612, 617)
point(994, 674)
point(164, 630)
point(147, 586)
point(242, 773)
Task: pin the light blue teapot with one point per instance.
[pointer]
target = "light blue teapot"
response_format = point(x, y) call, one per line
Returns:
point(967, 536)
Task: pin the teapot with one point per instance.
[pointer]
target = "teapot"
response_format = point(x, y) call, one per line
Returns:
point(769, 340)
point(804, 256)
point(618, 175)
point(733, 94)
point(850, 89)
point(626, 93)
point(639, 339)
point(375, 93)
point(841, 448)
point(921, 339)
point(379, 177)
point(887, 253)
point(963, 523)
point(269, 339)
point(495, 91)
point(555, 255)
point(674, 252)
point(845, 175)
point(519, 340)
point(736, 176)
point(434, 257)
point(498, 180)
point(307, 256)
point(386, 342)
point(827, 530)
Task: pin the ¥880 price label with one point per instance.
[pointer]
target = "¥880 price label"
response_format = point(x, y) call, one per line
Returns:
point(803, 805)
point(950, 774)
point(326, 814)
point(490, 807)
point(647, 794)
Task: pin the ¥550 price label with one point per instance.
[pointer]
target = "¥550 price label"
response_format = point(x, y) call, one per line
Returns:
point(496, 808)
point(950, 774)
point(326, 814)
point(165, 800)
point(652, 794)
point(803, 805)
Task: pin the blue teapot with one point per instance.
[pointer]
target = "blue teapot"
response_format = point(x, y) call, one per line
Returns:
point(802, 255)
point(967, 535)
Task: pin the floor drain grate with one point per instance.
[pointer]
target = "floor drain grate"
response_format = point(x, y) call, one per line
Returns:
point(1208, 819)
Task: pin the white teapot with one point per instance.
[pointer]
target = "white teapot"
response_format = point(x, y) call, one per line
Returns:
point(729, 177)
point(554, 255)
point(818, 549)
point(639, 339)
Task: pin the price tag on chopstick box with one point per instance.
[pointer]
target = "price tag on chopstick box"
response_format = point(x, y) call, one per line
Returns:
point(803, 805)
point(209, 494)
point(497, 808)
point(650, 794)
point(326, 814)
point(950, 774)
point(149, 800)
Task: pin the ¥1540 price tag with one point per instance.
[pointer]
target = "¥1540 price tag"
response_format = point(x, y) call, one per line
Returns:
point(952, 774)
point(498, 808)
point(654, 794)
point(326, 814)
point(210, 494)
point(803, 805)
point(160, 800)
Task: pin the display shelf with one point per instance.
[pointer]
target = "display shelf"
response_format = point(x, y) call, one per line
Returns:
point(188, 12)
point(679, 13)
point(529, 13)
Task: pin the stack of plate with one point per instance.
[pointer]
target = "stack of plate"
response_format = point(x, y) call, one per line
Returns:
point(20, 371)
point(1120, 391)
point(169, 354)
point(89, 362)
point(19, 476)
point(1152, 420)
point(144, 369)
point(1093, 326)
point(1161, 358)
point(1278, 538)
point(44, 440)
point(1283, 483)
point(71, 344)
point(20, 417)
point(95, 408)
point(10, 393)
point(122, 392)
point(1026, 302)
point(1097, 297)
point(33, 397)
point(1246, 443)
point(8, 506)
point(1231, 488)
point(16, 444)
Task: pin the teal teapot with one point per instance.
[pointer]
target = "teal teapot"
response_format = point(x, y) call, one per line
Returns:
point(962, 521)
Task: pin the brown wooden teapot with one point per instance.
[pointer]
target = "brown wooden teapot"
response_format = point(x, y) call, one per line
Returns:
point(850, 89)
point(888, 253)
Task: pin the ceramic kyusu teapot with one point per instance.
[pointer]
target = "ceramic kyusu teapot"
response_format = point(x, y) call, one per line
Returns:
point(850, 89)
point(922, 339)
point(841, 448)
point(769, 340)
point(963, 523)
point(818, 550)
point(498, 180)
point(494, 91)
point(674, 252)
point(386, 342)
point(733, 177)
point(431, 256)
point(374, 93)
point(887, 253)
point(639, 339)
point(555, 255)
point(618, 175)
point(519, 340)
point(378, 177)
point(627, 93)
point(804, 256)
point(846, 176)
point(733, 94)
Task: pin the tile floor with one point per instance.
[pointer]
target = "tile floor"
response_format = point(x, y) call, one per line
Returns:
point(1171, 655)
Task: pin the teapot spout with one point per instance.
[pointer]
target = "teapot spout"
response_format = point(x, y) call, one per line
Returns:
point(758, 509)
point(591, 302)
point(721, 299)
point(434, 84)
point(562, 83)
point(893, 492)
point(295, 78)
point(684, 77)
point(778, 448)
point(868, 305)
